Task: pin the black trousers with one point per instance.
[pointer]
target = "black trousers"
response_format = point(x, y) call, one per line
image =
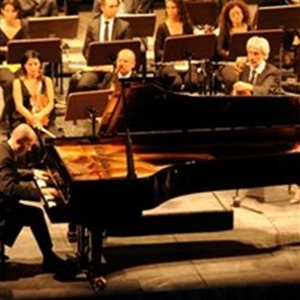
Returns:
point(20, 215)
point(6, 79)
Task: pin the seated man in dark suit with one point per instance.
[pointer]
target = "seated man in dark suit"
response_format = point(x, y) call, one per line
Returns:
point(125, 65)
point(103, 27)
point(17, 185)
point(38, 8)
point(257, 76)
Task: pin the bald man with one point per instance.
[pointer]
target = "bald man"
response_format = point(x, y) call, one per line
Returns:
point(16, 185)
point(125, 64)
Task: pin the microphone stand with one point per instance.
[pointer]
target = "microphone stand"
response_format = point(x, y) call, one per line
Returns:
point(128, 142)
point(188, 56)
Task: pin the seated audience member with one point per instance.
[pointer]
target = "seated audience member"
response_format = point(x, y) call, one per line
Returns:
point(16, 185)
point(234, 18)
point(103, 27)
point(177, 22)
point(38, 8)
point(33, 93)
point(255, 75)
point(12, 27)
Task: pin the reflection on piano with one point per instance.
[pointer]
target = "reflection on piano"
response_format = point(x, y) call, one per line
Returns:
point(181, 144)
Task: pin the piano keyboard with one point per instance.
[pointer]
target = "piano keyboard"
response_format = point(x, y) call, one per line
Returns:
point(56, 208)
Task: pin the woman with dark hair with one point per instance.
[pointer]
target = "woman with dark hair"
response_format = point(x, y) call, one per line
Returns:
point(33, 93)
point(234, 18)
point(177, 22)
point(32, 102)
point(12, 27)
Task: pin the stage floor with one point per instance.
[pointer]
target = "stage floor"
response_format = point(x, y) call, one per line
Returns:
point(260, 255)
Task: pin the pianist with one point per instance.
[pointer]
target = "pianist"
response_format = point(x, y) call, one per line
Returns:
point(255, 75)
point(16, 185)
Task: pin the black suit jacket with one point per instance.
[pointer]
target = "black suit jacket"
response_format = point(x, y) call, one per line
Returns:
point(121, 31)
point(266, 83)
point(112, 78)
point(14, 184)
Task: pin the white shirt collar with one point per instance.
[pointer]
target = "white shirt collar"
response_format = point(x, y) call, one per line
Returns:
point(102, 27)
point(260, 67)
point(128, 75)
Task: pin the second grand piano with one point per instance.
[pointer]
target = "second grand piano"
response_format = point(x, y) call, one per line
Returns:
point(161, 145)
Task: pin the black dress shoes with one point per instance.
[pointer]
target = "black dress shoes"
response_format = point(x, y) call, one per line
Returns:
point(53, 264)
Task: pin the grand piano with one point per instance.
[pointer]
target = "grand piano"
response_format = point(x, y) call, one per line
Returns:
point(154, 145)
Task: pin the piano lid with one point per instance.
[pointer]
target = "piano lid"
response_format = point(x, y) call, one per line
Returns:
point(151, 107)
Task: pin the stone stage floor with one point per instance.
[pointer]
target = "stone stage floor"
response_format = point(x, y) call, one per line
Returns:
point(260, 256)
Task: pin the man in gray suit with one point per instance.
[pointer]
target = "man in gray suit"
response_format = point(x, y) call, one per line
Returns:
point(257, 76)
point(103, 27)
point(38, 8)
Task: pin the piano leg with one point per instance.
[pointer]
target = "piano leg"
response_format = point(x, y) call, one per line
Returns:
point(97, 267)
point(89, 254)
point(237, 199)
point(83, 246)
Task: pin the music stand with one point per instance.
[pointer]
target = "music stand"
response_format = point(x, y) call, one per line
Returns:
point(202, 13)
point(49, 49)
point(189, 47)
point(281, 16)
point(142, 25)
point(64, 27)
point(84, 105)
point(105, 53)
point(239, 40)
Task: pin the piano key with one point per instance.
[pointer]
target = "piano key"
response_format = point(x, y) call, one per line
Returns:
point(51, 203)
point(49, 197)
point(41, 183)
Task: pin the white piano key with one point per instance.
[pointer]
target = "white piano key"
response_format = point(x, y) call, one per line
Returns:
point(51, 203)
point(41, 183)
point(48, 198)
